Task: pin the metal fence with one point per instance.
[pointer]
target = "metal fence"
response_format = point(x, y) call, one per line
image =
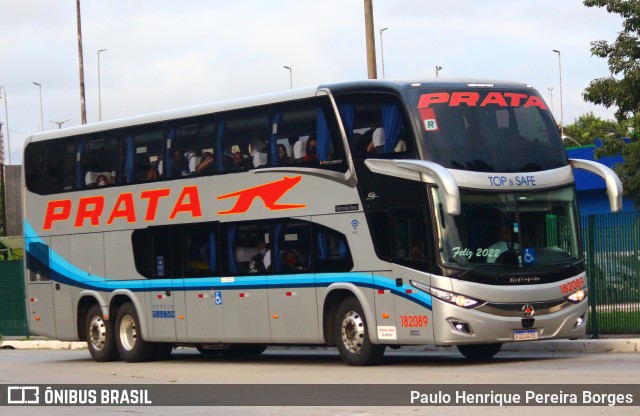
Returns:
point(612, 254)
point(13, 315)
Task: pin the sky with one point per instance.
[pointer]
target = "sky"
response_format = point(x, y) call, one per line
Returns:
point(164, 54)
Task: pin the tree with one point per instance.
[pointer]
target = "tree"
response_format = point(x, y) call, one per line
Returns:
point(621, 89)
point(588, 127)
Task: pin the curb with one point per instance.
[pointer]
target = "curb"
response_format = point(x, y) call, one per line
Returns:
point(580, 345)
point(43, 345)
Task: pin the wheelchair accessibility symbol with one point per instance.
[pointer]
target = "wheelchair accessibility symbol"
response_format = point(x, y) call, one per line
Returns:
point(218, 298)
point(529, 256)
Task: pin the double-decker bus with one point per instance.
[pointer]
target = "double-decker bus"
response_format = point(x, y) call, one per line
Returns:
point(359, 215)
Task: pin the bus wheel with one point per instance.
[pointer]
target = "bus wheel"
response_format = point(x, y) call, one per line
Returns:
point(100, 339)
point(352, 335)
point(132, 347)
point(479, 352)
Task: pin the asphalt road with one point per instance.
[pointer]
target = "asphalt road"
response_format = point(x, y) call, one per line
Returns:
point(319, 366)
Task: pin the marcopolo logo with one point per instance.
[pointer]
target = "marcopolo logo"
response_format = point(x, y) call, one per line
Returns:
point(23, 395)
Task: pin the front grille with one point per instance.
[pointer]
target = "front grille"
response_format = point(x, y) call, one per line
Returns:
point(515, 309)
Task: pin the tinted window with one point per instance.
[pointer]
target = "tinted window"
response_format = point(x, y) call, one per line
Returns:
point(292, 247)
point(190, 148)
point(144, 154)
point(247, 248)
point(488, 130)
point(305, 133)
point(50, 166)
point(375, 126)
point(98, 161)
point(243, 138)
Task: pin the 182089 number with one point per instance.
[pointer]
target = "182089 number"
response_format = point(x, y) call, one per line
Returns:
point(413, 321)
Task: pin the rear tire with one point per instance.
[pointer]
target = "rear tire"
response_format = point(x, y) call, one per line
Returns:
point(132, 348)
point(352, 335)
point(100, 336)
point(479, 352)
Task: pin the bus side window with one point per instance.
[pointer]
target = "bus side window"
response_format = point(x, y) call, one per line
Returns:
point(409, 237)
point(292, 247)
point(193, 140)
point(143, 153)
point(97, 160)
point(247, 249)
point(50, 166)
point(200, 250)
point(331, 252)
point(242, 140)
point(306, 133)
point(154, 252)
point(375, 126)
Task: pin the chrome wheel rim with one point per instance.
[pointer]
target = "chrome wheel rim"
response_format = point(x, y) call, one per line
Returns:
point(97, 333)
point(353, 332)
point(128, 332)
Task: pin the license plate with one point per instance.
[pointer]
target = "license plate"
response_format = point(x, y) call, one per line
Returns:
point(525, 334)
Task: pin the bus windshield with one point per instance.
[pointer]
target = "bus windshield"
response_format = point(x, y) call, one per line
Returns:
point(488, 130)
point(507, 232)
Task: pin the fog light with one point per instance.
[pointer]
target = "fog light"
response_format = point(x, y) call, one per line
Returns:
point(579, 321)
point(461, 326)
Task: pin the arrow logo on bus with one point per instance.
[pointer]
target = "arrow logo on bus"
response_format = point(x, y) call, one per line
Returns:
point(270, 193)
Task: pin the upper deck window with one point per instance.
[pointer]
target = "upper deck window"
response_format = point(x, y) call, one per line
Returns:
point(375, 126)
point(488, 130)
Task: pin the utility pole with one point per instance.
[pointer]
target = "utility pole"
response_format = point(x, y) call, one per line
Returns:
point(6, 122)
point(371, 41)
point(83, 108)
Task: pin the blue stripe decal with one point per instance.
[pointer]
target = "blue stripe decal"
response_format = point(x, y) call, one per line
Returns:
point(64, 272)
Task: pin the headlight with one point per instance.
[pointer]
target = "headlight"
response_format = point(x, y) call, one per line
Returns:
point(577, 296)
point(449, 297)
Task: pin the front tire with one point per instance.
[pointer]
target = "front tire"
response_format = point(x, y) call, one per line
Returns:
point(132, 348)
point(100, 336)
point(352, 335)
point(479, 352)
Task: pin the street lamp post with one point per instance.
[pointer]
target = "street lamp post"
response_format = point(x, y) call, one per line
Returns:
point(59, 123)
point(382, 50)
point(438, 69)
point(6, 120)
point(290, 75)
point(99, 96)
point(561, 108)
point(41, 113)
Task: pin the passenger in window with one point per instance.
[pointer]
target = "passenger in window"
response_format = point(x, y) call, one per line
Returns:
point(206, 165)
point(179, 166)
point(152, 173)
point(95, 179)
point(376, 145)
point(193, 160)
point(240, 162)
point(261, 262)
point(291, 263)
point(283, 157)
point(311, 155)
point(416, 252)
point(104, 181)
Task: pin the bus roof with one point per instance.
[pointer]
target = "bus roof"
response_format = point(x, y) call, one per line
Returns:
point(281, 96)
